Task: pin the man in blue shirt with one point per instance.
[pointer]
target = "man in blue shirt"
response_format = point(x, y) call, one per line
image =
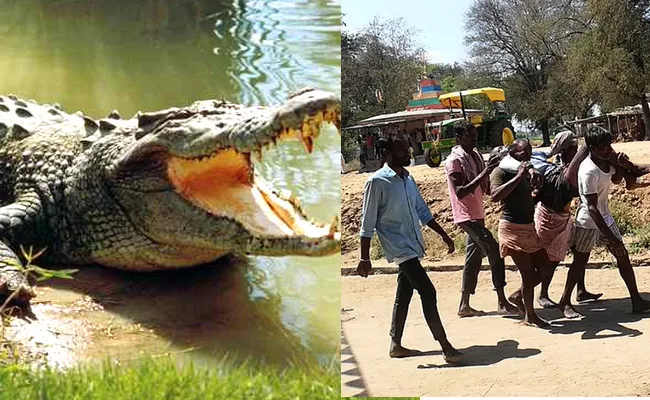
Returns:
point(393, 207)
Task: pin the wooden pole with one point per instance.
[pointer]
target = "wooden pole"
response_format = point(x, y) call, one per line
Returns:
point(609, 124)
point(462, 105)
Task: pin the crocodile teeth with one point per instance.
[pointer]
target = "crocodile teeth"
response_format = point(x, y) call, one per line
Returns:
point(296, 202)
point(258, 155)
point(285, 194)
point(308, 142)
point(334, 227)
point(247, 157)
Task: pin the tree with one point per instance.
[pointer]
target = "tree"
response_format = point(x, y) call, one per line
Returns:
point(516, 43)
point(450, 76)
point(572, 98)
point(383, 56)
point(613, 56)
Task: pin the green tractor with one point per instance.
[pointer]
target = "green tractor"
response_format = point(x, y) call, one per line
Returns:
point(494, 127)
point(441, 139)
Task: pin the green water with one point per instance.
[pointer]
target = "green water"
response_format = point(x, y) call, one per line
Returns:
point(96, 56)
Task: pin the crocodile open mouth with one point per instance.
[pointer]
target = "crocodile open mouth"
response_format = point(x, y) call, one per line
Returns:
point(224, 184)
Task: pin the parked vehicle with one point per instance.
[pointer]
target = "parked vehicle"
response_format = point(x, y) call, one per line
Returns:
point(494, 127)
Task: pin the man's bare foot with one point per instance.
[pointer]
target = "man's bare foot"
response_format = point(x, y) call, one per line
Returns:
point(586, 296)
point(640, 306)
point(569, 312)
point(536, 322)
point(470, 312)
point(507, 308)
point(397, 351)
point(516, 299)
point(545, 302)
point(452, 355)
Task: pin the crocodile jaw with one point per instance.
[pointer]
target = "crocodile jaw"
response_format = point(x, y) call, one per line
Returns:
point(225, 186)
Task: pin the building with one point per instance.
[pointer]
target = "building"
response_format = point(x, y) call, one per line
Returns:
point(625, 124)
point(426, 97)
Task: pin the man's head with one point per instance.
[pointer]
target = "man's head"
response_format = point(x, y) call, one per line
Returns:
point(395, 151)
point(520, 150)
point(566, 145)
point(599, 142)
point(499, 152)
point(465, 134)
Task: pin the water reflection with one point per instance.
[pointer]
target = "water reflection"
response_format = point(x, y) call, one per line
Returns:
point(205, 313)
point(100, 55)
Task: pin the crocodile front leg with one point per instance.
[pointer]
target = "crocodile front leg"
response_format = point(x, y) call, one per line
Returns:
point(12, 218)
point(12, 279)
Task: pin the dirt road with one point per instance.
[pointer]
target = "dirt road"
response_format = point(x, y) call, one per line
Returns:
point(605, 354)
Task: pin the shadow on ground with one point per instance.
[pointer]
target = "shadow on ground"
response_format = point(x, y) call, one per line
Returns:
point(351, 377)
point(208, 312)
point(481, 355)
point(602, 319)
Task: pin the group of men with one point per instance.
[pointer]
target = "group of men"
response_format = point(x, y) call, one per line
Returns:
point(536, 228)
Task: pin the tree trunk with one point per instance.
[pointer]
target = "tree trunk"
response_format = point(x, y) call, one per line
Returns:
point(646, 115)
point(546, 137)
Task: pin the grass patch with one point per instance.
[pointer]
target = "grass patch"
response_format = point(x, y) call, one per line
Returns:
point(163, 378)
point(376, 251)
point(643, 238)
point(642, 242)
point(460, 243)
point(353, 165)
point(623, 215)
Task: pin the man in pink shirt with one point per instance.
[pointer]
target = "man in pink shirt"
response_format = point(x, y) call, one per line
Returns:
point(468, 180)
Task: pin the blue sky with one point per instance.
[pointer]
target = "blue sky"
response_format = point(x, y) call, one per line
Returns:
point(441, 23)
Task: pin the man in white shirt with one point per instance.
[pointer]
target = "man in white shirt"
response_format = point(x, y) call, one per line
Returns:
point(594, 220)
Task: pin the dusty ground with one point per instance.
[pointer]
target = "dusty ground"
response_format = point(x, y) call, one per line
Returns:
point(605, 354)
point(627, 206)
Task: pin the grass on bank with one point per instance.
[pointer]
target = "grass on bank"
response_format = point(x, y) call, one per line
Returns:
point(163, 378)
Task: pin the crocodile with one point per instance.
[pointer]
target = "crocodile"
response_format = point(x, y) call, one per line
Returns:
point(167, 189)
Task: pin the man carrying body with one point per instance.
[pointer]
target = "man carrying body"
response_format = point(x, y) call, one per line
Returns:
point(467, 179)
point(594, 220)
point(517, 235)
point(553, 221)
point(392, 206)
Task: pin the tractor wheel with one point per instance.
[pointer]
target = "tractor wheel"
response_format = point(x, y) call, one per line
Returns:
point(503, 134)
point(433, 157)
